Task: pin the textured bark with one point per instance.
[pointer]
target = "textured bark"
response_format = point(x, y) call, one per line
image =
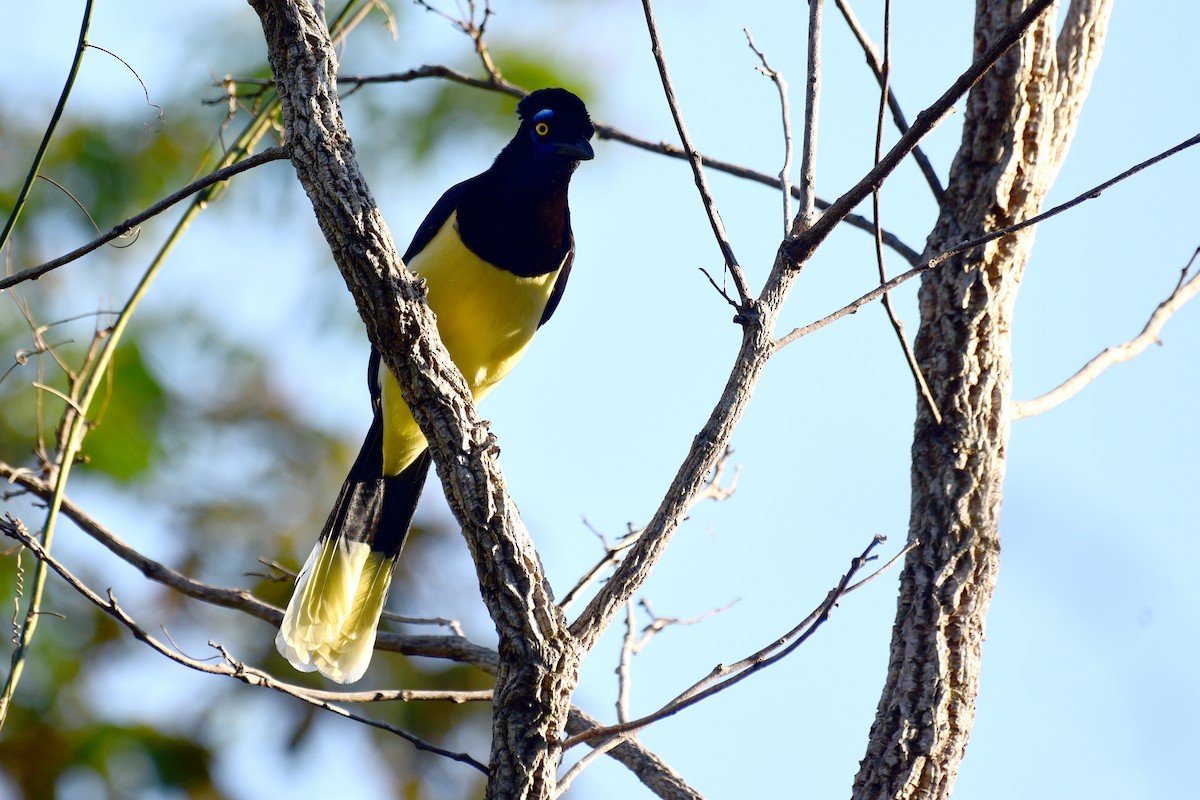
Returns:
point(538, 659)
point(1018, 124)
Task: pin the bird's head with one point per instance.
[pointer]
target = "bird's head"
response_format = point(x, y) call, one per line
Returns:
point(558, 124)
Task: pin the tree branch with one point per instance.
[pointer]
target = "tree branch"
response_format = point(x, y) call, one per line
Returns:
point(724, 676)
point(452, 648)
point(693, 157)
point(943, 257)
point(885, 73)
point(812, 102)
point(877, 66)
point(1186, 288)
point(757, 346)
point(214, 177)
point(12, 528)
point(539, 661)
point(785, 172)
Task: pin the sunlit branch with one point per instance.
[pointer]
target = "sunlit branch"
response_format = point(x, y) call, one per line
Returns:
point(785, 180)
point(812, 103)
point(1185, 289)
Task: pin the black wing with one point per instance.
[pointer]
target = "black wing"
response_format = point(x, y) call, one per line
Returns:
point(560, 283)
point(435, 219)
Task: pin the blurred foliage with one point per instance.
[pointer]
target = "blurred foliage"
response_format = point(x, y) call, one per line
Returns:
point(195, 437)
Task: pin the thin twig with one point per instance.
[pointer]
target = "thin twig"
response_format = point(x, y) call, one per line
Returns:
point(214, 177)
point(628, 646)
point(39, 156)
point(230, 667)
point(897, 324)
point(475, 31)
point(785, 180)
point(706, 196)
point(1185, 289)
point(634, 642)
point(611, 556)
point(724, 676)
point(454, 648)
point(609, 133)
point(872, 57)
point(941, 258)
point(712, 490)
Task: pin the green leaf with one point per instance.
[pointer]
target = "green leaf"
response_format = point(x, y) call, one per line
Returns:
point(122, 442)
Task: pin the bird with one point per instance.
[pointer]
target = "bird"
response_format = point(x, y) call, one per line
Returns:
point(495, 253)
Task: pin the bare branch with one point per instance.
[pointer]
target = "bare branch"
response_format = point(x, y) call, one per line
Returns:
point(652, 771)
point(473, 30)
point(897, 325)
point(454, 648)
point(712, 490)
point(941, 258)
point(873, 61)
point(628, 647)
point(456, 696)
point(799, 249)
point(812, 102)
point(1186, 288)
point(230, 668)
point(785, 181)
point(756, 348)
point(706, 197)
point(723, 676)
point(214, 177)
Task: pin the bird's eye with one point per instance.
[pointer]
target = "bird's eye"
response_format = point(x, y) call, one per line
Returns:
point(541, 129)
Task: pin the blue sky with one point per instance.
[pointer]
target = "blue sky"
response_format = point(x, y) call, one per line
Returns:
point(1088, 684)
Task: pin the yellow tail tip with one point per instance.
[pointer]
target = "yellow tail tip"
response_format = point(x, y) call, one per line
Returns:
point(331, 621)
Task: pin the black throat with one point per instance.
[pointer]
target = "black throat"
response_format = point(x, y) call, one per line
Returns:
point(515, 215)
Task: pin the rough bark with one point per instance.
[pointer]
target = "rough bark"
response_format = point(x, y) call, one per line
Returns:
point(538, 659)
point(1018, 124)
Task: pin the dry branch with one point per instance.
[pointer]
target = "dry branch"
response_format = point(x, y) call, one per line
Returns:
point(1186, 288)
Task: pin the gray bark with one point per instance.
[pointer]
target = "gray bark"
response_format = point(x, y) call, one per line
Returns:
point(1018, 124)
point(538, 659)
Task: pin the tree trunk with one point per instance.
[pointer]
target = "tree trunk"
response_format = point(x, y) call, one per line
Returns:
point(1018, 123)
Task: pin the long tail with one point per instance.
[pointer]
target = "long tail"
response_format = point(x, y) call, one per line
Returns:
point(331, 621)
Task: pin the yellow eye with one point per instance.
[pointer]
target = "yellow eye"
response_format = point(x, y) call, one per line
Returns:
point(541, 129)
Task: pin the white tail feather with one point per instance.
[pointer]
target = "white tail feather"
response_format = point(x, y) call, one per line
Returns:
point(331, 621)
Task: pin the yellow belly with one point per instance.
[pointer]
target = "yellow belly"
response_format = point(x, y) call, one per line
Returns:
point(486, 318)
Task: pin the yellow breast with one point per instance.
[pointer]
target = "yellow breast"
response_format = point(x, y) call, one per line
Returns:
point(486, 318)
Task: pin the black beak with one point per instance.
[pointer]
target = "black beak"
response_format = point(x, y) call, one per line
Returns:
point(580, 151)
